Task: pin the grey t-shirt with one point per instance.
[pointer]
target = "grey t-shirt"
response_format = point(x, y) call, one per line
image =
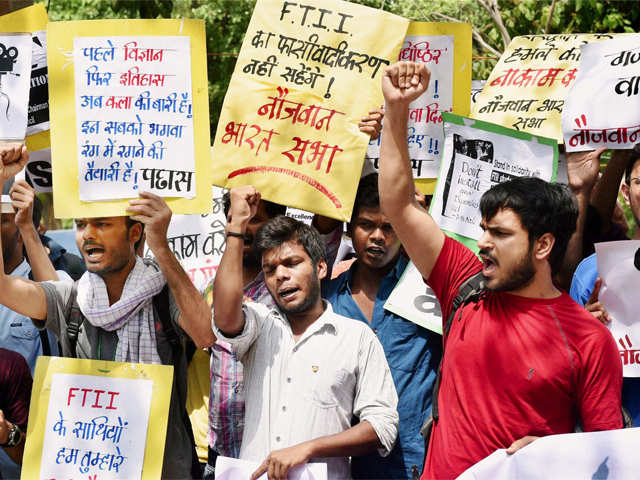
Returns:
point(99, 344)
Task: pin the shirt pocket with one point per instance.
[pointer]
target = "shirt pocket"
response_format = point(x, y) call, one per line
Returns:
point(24, 330)
point(332, 387)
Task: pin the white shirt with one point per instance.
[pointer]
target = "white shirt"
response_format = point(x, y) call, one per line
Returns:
point(298, 391)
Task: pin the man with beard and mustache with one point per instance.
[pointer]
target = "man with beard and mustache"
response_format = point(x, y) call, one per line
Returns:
point(413, 352)
point(307, 369)
point(116, 298)
point(524, 360)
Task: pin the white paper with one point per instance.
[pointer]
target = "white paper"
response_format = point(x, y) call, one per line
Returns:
point(474, 161)
point(76, 445)
point(198, 241)
point(133, 116)
point(234, 469)
point(602, 108)
point(619, 279)
point(476, 89)
point(415, 301)
point(610, 455)
point(425, 134)
point(15, 78)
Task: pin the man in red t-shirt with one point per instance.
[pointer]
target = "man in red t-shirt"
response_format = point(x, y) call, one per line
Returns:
point(525, 360)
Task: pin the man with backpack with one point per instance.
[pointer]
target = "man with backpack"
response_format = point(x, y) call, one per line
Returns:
point(521, 359)
point(121, 309)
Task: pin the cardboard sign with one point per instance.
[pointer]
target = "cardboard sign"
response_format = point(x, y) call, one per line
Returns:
point(618, 268)
point(15, 69)
point(527, 88)
point(446, 50)
point(304, 78)
point(90, 419)
point(603, 106)
point(129, 113)
point(477, 156)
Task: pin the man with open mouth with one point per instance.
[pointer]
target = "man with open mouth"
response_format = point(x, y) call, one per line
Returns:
point(523, 360)
point(308, 371)
point(130, 309)
point(413, 352)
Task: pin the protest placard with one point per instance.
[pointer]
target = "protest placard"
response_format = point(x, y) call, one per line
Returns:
point(415, 300)
point(619, 267)
point(478, 155)
point(90, 419)
point(37, 172)
point(129, 113)
point(305, 76)
point(594, 455)
point(34, 19)
point(609, 76)
point(15, 68)
point(528, 86)
point(446, 50)
point(198, 241)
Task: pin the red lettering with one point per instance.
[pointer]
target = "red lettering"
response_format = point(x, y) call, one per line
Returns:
point(84, 397)
point(70, 395)
point(96, 405)
point(113, 395)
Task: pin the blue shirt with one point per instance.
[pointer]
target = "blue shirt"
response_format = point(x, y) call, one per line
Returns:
point(581, 287)
point(413, 354)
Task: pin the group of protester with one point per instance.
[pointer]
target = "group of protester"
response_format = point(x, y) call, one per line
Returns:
point(306, 364)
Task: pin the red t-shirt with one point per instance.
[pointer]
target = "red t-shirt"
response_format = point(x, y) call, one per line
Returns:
point(15, 387)
point(516, 366)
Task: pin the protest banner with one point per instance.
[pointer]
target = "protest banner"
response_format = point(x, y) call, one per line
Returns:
point(90, 419)
point(594, 455)
point(476, 88)
point(528, 86)
point(609, 76)
point(129, 113)
point(619, 267)
point(234, 469)
point(37, 172)
point(198, 241)
point(304, 78)
point(34, 19)
point(446, 50)
point(415, 301)
point(478, 155)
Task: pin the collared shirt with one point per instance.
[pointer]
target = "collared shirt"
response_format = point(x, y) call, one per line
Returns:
point(226, 397)
point(298, 391)
point(413, 354)
point(17, 332)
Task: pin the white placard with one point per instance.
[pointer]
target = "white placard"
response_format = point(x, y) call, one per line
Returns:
point(198, 241)
point(475, 159)
point(134, 121)
point(95, 425)
point(619, 274)
point(234, 469)
point(610, 455)
point(15, 79)
point(37, 172)
point(425, 135)
point(38, 120)
point(415, 301)
point(602, 108)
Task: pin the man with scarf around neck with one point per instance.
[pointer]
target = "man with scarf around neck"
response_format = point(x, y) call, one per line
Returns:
point(115, 297)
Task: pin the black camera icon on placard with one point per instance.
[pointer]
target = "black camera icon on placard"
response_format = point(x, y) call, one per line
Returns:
point(7, 58)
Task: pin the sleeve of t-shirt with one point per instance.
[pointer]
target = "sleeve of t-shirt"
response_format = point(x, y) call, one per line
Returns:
point(18, 391)
point(600, 383)
point(255, 314)
point(455, 264)
point(57, 296)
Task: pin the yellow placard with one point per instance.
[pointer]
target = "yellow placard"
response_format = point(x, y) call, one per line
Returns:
point(62, 101)
point(305, 76)
point(47, 367)
point(527, 88)
point(30, 19)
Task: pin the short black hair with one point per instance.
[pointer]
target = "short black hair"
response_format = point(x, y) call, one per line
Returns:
point(272, 209)
point(367, 195)
point(542, 207)
point(281, 229)
point(635, 156)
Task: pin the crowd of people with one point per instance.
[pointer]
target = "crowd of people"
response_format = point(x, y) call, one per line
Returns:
point(306, 365)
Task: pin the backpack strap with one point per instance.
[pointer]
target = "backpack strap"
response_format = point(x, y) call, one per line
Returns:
point(44, 334)
point(74, 317)
point(469, 291)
